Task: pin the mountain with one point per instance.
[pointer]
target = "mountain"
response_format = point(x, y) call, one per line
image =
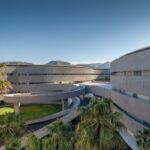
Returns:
point(105, 65)
point(16, 63)
point(58, 63)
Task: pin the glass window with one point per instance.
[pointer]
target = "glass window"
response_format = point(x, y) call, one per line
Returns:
point(137, 73)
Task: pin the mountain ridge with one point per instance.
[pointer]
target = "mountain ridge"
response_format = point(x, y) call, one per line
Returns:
point(105, 65)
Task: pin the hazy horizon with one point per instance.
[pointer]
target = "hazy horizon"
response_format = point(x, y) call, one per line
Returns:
point(71, 62)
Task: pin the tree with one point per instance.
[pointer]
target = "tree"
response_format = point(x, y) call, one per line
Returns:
point(98, 127)
point(46, 144)
point(5, 85)
point(33, 142)
point(13, 144)
point(12, 126)
point(59, 137)
point(143, 139)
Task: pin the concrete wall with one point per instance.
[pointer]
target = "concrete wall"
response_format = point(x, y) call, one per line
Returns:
point(99, 91)
point(128, 108)
point(44, 87)
point(133, 61)
point(130, 123)
point(130, 81)
point(135, 84)
point(41, 98)
point(27, 78)
point(137, 108)
point(137, 61)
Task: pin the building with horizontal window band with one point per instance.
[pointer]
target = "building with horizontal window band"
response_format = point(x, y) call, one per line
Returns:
point(129, 90)
point(129, 86)
point(27, 78)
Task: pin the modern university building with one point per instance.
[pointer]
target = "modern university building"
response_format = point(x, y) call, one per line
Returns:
point(129, 87)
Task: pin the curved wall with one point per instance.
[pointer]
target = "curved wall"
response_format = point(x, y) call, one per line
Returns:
point(136, 60)
point(40, 98)
point(26, 78)
point(130, 80)
point(99, 91)
point(130, 113)
point(130, 91)
point(130, 85)
point(132, 72)
point(137, 108)
point(44, 87)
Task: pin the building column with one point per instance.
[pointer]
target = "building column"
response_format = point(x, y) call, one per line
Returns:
point(64, 104)
point(82, 100)
point(16, 107)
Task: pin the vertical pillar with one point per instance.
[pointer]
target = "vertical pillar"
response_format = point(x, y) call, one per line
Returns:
point(64, 104)
point(82, 100)
point(16, 107)
point(70, 100)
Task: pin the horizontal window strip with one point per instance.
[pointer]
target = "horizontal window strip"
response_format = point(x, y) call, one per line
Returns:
point(42, 74)
point(133, 95)
point(40, 82)
point(65, 74)
point(142, 122)
point(131, 73)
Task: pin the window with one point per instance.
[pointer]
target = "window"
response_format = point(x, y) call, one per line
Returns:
point(147, 98)
point(129, 93)
point(19, 83)
point(10, 74)
point(137, 73)
point(114, 73)
point(135, 95)
point(146, 72)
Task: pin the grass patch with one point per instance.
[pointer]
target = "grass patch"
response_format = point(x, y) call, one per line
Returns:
point(6, 110)
point(35, 111)
point(3, 111)
point(29, 112)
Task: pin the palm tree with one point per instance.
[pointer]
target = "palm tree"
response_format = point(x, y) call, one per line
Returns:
point(13, 144)
point(59, 137)
point(5, 85)
point(46, 144)
point(143, 139)
point(12, 126)
point(98, 127)
point(33, 142)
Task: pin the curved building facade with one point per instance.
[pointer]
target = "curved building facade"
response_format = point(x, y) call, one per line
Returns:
point(130, 92)
point(42, 84)
point(27, 78)
point(129, 88)
point(130, 79)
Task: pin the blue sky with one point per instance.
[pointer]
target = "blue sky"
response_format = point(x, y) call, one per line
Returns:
point(72, 30)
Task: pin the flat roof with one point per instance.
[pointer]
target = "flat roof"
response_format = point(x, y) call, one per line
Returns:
point(106, 85)
point(69, 66)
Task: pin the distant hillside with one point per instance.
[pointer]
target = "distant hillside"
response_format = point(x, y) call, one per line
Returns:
point(105, 65)
point(16, 63)
point(58, 63)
